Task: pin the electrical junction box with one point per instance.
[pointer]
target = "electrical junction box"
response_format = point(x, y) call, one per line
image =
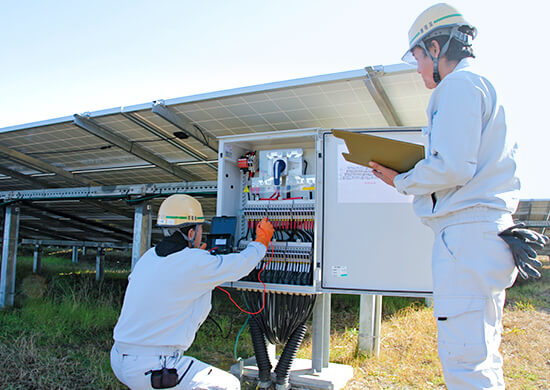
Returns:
point(339, 229)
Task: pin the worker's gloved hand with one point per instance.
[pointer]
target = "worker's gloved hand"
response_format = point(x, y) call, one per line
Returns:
point(524, 243)
point(264, 232)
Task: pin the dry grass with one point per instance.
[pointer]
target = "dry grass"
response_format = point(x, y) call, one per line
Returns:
point(408, 356)
point(526, 349)
point(27, 363)
point(62, 340)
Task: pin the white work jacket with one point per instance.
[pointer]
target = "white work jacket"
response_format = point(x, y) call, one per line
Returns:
point(470, 157)
point(168, 298)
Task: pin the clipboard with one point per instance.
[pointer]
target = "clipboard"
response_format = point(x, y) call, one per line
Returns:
point(363, 148)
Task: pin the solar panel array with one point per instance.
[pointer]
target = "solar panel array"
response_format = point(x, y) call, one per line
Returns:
point(137, 145)
point(339, 101)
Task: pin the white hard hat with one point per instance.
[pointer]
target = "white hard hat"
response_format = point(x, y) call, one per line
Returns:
point(180, 210)
point(439, 19)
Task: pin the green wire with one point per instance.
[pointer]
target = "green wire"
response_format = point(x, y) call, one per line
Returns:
point(239, 335)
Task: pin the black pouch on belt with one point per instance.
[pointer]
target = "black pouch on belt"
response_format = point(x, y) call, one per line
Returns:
point(164, 378)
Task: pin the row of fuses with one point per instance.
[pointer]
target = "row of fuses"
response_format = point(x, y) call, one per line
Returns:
point(283, 215)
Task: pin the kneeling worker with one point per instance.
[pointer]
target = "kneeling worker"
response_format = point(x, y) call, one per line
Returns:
point(168, 298)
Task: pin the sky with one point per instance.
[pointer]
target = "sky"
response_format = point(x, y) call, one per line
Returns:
point(62, 57)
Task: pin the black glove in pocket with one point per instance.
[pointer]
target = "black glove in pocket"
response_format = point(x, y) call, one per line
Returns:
point(524, 244)
point(165, 378)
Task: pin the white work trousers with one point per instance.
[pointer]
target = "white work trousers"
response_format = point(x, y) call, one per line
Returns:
point(472, 266)
point(130, 363)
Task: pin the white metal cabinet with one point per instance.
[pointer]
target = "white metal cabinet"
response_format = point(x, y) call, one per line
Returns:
point(366, 236)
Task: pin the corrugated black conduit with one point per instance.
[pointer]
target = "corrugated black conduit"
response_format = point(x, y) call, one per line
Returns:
point(283, 321)
point(260, 350)
point(282, 371)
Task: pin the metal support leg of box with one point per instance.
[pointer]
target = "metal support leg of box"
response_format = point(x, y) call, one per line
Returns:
point(370, 317)
point(9, 256)
point(99, 264)
point(37, 260)
point(142, 231)
point(320, 337)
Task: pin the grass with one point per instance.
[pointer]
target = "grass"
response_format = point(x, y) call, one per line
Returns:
point(60, 332)
point(408, 357)
point(535, 293)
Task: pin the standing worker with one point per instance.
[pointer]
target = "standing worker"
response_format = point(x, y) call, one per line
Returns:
point(169, 296)
point(466, 190)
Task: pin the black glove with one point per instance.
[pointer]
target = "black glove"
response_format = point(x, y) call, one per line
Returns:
point(524, 243)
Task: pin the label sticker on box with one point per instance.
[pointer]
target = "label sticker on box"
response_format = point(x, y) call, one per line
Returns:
point(339, 271)
point(228, 152)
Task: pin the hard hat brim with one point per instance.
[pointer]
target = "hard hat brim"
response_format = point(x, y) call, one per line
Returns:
point(409, 58)
point(165, 224)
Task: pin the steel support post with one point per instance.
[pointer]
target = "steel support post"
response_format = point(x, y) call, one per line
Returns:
point(377, 324)
point(9, 256)
point(142, 231)
point(321, 333)
point(370, 317)
point(37, 260)
point(75, 254)
point(99, 260)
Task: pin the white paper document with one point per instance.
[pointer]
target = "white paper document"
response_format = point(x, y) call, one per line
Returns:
point(357, 184)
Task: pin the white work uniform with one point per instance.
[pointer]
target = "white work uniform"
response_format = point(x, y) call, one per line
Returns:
point(466, 190)
point(166, 301)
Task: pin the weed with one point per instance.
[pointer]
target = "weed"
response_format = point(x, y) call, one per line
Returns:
point(524, 306)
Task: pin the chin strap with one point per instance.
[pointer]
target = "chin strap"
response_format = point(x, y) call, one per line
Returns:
point(185, 237)
point(436, 75)
point(454, 33)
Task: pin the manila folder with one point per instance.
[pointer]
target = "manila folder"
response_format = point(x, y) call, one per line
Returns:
point(363, 148)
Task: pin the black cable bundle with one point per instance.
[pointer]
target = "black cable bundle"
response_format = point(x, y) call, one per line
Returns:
point(260, 350)
point(281, 322)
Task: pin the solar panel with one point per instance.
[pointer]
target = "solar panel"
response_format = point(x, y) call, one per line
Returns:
point(340, 100)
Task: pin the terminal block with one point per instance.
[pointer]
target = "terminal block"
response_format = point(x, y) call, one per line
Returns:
point(292, 259)
point(292, 263)
point(287, 215)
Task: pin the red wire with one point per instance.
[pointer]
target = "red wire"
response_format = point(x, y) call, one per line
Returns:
point(260, 280)
point(276, 195)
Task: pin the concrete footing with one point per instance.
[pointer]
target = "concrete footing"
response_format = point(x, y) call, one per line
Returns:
point(302, 375)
